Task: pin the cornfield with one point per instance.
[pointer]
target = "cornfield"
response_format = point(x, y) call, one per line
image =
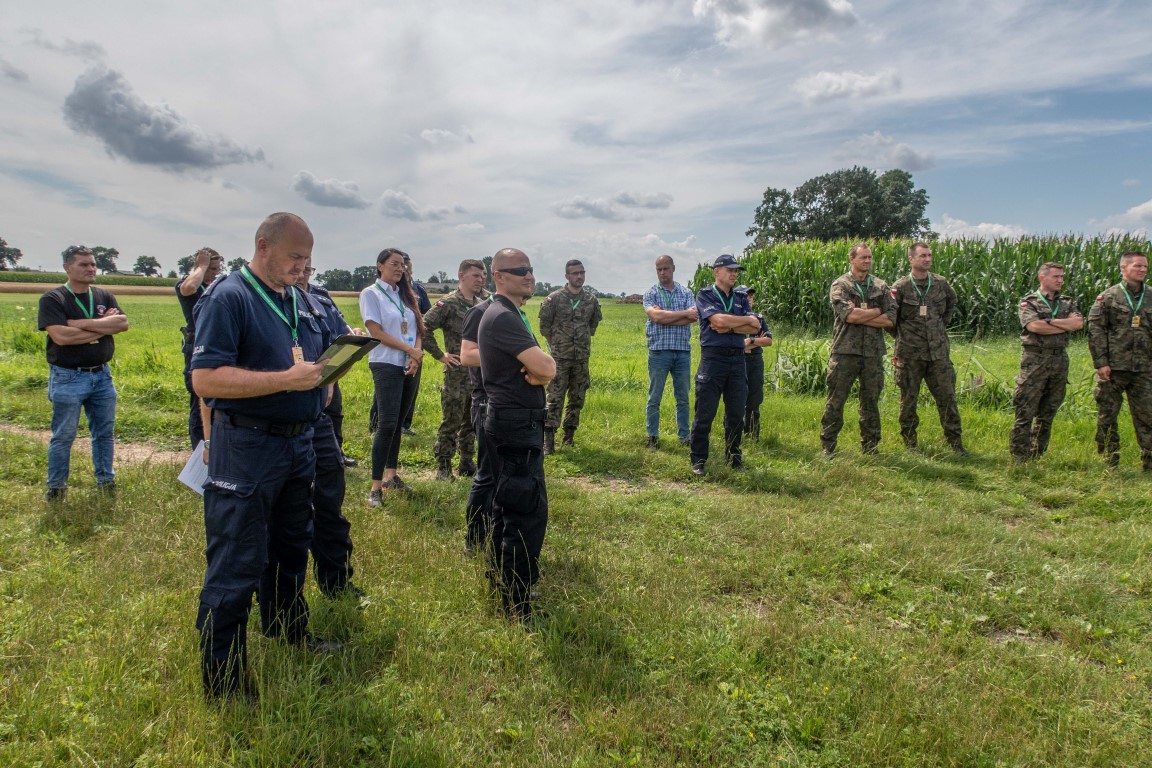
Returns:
point(792, 279)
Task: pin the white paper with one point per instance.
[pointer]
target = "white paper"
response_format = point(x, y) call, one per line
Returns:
point(195, 472)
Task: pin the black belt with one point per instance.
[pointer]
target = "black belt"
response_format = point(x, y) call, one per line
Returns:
point(531, 413)
point(83, 368)
point(722, 351)
point(277, 428)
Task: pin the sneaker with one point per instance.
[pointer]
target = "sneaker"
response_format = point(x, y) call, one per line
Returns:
point(316, 645)
point(408, 431)
point(55, 495)
point(686, 441)
point(375, 497)
point(653, 442)
point(108, 487)
point(396, 484)
point(698, 469)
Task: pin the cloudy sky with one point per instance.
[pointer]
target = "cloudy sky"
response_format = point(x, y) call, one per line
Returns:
point(607, 130)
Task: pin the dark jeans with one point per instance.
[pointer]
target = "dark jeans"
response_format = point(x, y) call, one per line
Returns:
point(478, 512)
point(520, 503)
point(394, 394)
point(331, 536)
point(258, 526)
point(410, 411)
point(754, 365)
point(719, 376)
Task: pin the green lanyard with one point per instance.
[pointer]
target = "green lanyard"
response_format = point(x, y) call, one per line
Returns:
point(392, 301)
point(293, 326)
point(923, 294)
point(574, 304)
point(91, 308)
point(667, 297)
point(1056, 310)
point(1139, 301)
point(527, 325)
point(731, 300)
point(868, 283)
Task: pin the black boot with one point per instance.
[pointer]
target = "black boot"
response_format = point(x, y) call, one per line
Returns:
point(549, 442)
point(445, 470)
point(569, 437)
point(467, 467)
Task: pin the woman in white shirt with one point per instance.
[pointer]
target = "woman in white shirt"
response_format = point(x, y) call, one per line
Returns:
point(390, 314)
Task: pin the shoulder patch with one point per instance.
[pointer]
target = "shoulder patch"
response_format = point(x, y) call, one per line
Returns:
point(892, 292)
point(1100, 298)
point(546, 300)
point(440, 303)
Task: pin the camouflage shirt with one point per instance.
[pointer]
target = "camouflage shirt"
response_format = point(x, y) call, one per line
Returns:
point(922, 334)
point(846, 294)
point(448, 315)
point(1112, 339)
point(568, 323)
point(1035, 306)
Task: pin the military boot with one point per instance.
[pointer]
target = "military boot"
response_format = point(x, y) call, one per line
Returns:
point(467, 466)
point(569, 437)
point(445, 470)
point(549, 442)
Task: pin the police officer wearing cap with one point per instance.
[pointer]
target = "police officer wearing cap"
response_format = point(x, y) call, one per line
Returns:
point(725, 318)
point(255, 367)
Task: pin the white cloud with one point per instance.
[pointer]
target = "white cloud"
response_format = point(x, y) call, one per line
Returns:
point(1137, 221)
point(441, 137)
point(775, 23)
point(951, 227)
point(880, 151)
point(332, 193)
point(88, 50)
point(397, 205)
point(472, 227)
point(827, 86)
point(581, 207)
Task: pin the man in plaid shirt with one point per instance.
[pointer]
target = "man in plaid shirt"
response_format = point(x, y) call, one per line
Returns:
point(671, 310)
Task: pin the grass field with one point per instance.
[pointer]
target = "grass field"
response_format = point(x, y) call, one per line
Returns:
point(902, 609)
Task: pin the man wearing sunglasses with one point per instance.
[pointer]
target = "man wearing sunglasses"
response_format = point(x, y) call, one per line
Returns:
point(80, 320)
point(515, 371)
point(569, 317)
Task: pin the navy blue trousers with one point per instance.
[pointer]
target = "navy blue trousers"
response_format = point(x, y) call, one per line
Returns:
point(719, 377)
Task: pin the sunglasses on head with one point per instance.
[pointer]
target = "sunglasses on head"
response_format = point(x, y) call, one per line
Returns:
point(518, 271)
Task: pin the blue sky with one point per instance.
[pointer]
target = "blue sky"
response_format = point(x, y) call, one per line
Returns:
point(607, 131)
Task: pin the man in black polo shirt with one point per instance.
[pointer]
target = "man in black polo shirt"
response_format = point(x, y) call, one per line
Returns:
point(80, 320)
point(205, 270)
point(255, 367)
point(515, 371)
point(725, 318)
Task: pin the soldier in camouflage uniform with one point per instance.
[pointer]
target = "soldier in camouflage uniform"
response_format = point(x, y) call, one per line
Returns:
point(1120, 340)
point(568, 320)
point(863, 308)
point(456, 431)
point(924, 306)
point(1047, 319)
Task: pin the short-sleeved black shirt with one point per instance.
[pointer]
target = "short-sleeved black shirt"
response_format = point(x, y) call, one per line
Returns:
point(468, 332)
point(187, 303)
point(236, 328)
point(502, 335)
point(57, 307)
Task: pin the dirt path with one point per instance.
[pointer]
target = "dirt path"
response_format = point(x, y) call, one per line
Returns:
point(126, 453)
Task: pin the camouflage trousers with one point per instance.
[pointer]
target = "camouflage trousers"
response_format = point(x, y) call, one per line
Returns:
point(1039, 392)
point(456, 432)
point(940, 377)
point(843, 371)
point(572, 379)
point(1109, 395)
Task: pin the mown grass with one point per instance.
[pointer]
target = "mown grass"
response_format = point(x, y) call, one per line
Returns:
point(895, 610)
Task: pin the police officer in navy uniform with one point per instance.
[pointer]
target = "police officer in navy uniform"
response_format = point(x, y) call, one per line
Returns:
point(332, 532)
point(515, 371)
point(205, 270)
point(725, 318)
point(255, 367)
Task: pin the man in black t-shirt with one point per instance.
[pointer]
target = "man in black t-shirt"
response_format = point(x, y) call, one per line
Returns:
point(191, 287)
point(80, 320)
point(515, 371)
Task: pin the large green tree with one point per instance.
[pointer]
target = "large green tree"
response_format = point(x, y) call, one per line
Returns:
point(337, 280)
point(852, 203)
point(237, 263)
point(185, 263)
point(9, 255)
point(147, 265)
point(105, 258)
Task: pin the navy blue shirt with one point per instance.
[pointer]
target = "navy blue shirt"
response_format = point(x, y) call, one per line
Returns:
point(713, 301)
point(237, 328)
point(328, 312)
point(422, 300)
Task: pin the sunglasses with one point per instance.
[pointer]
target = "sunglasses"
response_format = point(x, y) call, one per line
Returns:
point(518, 271)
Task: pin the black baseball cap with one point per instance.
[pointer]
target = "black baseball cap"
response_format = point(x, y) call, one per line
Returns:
point(727, 260)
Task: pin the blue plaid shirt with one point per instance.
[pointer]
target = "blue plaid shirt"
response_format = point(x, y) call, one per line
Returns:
point(660, 336)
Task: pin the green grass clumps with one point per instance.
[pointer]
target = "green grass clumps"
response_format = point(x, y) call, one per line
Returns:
point(58, 278)
point(900, 609)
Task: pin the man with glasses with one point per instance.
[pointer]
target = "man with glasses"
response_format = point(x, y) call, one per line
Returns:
point(569, 317)
point(725, 318)
point(515, 371)
point(205, 269)
point(80, 320)
point(1120, 340)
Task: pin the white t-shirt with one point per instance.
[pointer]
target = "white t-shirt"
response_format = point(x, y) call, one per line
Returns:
point(381, 304)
